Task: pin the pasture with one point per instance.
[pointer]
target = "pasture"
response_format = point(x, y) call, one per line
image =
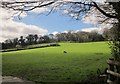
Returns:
point(51, 64)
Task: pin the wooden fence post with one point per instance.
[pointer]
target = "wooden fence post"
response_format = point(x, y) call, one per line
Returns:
point(111, 68)
point(117, 70)
point(113, 71)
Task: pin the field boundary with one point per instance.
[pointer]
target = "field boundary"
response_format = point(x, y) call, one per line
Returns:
point(113, 73)
point(26, 48)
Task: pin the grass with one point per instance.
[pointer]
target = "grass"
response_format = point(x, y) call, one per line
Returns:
point(52, 65)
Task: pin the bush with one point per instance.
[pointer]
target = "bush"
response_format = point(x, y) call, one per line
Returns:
point(54, 44)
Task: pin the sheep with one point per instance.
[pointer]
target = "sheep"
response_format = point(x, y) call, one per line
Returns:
point(64, 51)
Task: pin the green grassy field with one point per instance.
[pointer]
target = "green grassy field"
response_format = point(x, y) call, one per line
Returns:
point(52, 65)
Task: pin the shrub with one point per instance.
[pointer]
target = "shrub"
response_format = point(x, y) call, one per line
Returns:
point(54, 44)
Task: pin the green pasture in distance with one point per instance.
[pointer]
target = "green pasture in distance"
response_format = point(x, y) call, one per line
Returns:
point(51, 64)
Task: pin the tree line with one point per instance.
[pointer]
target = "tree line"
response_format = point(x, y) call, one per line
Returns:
point(70, 36)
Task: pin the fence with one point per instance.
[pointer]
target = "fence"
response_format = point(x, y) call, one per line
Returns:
point(113, 71)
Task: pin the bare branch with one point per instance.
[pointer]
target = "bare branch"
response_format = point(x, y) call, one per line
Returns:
point(103, 12)
point(76, 8)
point(17, 7)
